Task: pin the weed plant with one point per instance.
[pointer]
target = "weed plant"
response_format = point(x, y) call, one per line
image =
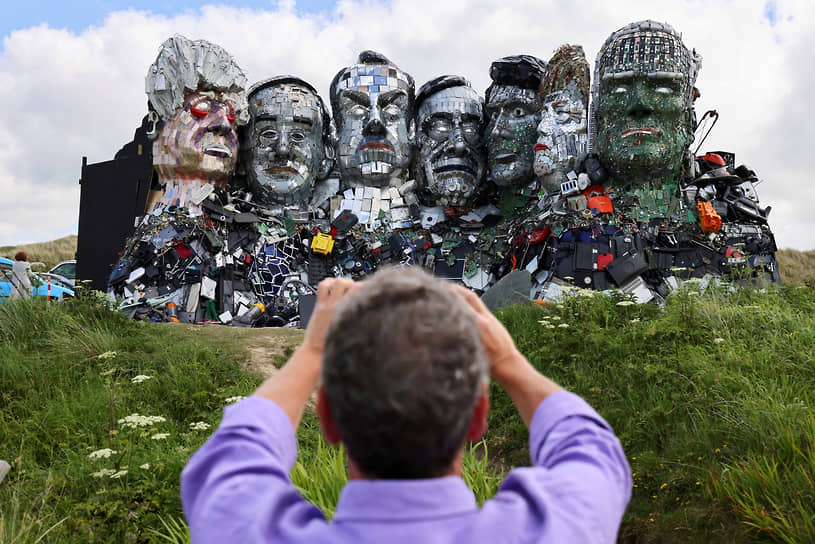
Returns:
point(711, 396)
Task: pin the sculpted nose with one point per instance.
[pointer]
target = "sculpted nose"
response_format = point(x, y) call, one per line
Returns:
point(374, 127)
point(638, 108)
point(220, 124)
point(458, 141)
point(283, 145)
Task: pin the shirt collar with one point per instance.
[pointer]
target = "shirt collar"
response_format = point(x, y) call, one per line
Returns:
point(404, 500)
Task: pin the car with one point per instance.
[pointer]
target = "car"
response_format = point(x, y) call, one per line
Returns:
point(66, 270)
point(41, 284)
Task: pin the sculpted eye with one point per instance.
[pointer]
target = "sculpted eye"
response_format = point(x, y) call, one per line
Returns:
point(518, 112)
point(392, 113)
point(664, 90)
point(620, 90)
point(469, 127)
point(439, 129)
point(230, 112)
point(297, 137)
point(201, 108)
point(357, 111)
point(268, 135)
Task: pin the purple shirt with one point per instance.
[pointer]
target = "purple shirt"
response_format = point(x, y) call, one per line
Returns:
point(236, 488)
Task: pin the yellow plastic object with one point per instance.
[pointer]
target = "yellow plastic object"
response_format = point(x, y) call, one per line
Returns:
point(322, 244)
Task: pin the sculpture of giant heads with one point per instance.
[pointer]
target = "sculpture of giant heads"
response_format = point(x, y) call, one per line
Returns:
point(563, 130)
point(287, 145)
point(513, 112)
point(372, 104)
point(450, 166)
point(642, 97)
point(197, 98)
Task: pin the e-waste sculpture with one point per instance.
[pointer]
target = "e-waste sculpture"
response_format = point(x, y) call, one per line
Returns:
point(534, 181)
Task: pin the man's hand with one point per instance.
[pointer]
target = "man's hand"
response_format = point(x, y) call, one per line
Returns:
point(292, 386)
point(498, 344)
point(329, 293)
point(526, 386)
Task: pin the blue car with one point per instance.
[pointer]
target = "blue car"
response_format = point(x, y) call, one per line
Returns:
point(39, 284)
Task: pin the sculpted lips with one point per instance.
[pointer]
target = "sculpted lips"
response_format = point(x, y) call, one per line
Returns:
point(541, 147)
point(634, 131)
point(218, 150)
point(272, 170)
point(506, 158)
point(376, 146)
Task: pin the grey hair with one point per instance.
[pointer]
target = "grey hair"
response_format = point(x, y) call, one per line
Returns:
point(403, 369)
point(183, 66)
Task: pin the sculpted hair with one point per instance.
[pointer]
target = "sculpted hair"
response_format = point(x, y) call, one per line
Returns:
point(403, 368)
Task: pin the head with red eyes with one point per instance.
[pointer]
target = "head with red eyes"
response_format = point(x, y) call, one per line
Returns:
point(197, 99)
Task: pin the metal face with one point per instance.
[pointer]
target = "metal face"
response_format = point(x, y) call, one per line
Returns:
point(287, 151)
point(451, 162)
point(199, 142)
point(373, 129)
point(513, 117)
point(562, 133)
point(643, 125)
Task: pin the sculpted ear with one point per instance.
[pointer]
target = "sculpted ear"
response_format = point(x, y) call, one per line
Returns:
point(327, 424)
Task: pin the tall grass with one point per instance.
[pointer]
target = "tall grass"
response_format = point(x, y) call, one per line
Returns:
point(796, 267)
point(711, 397)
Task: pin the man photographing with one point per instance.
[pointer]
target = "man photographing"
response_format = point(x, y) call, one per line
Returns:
point(404, 360)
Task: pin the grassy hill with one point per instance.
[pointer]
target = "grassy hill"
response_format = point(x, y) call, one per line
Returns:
point(711, 397)
point(48, 253)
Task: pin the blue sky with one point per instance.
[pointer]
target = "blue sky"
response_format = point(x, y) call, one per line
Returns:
point(80, 14)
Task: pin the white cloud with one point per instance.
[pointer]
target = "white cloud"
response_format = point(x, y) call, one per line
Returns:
point(66, 95)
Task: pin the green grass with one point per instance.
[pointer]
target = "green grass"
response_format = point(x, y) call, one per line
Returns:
point(711, 398)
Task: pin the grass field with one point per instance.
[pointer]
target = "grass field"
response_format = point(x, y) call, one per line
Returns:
point(711, 397)
point(47, 253)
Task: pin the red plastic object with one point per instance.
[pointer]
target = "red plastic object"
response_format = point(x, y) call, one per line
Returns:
point(596, 198)
point(603, 260)
point(713, 158)
point(539, 235)
point(708, 218)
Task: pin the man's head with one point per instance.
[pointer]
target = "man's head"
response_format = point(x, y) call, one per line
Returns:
point(451, 162)
point(372, 103)
point(403, 372)
point(513, 113)
point(196, 96)
point(562, 132)
point(287, 141)
point(643, 102)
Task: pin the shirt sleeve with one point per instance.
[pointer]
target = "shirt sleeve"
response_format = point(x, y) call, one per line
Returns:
point(237, 484)
point(580, 482)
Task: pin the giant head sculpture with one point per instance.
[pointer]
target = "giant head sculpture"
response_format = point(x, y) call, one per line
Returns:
point(287, 146)
point(196, 97)
point(563, 130)
point(513, 113)
point(643, 103)
point(450, 166)
point(372, 104)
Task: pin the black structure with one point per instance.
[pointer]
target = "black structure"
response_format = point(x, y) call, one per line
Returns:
point(113, 193)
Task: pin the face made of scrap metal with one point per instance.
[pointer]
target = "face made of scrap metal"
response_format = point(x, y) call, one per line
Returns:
point(513, 116)
point(643, 125)
point(373, 136)
point(451, 161)
point(200, 141)
point(562, 133)
point(286, 139)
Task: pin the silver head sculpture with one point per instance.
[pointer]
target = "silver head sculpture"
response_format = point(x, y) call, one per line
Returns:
point(642, 104)
point(450, 163)
point(372, 104)
point(197, 98)
point(563, 130)
point(513, 114)
point(287, 143)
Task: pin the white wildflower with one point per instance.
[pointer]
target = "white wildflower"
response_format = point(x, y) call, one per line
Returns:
point(718, 340)
point(230, 400)
point(635, 320)
point(145, 466)
point(118, 474)
point(108, 372)
point(556, 317)
point(550, 326)
point(159, 436)
point(564, 325)
point(107, 355)
point(199, 426)
point(544, 321)
point(141, 378)
point(626, 303)
point(134, 421)
point(103, 453)
point(104, 472)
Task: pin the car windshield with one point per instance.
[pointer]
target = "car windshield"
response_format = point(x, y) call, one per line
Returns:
point(66, 270)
